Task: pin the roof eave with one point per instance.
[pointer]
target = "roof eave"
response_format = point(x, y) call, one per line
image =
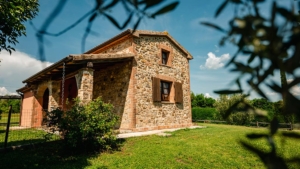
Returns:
point(137, 33)
point(126, 32)
point(53, 66)
point(166, 34)
point(23, 89)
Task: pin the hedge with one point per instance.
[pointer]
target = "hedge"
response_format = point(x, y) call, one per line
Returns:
point(205, 113)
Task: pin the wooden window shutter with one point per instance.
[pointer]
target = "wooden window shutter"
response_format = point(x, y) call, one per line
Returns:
point(178, 92)
point(156, 89)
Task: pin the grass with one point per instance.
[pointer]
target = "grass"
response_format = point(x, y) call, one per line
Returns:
point(213, 147)
point(24, 136)
point(20, 136)
point(15, 117)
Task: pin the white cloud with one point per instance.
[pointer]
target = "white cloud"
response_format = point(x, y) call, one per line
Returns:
point(207, 95)
point(15, 68)
point(4, 91)
point(295, 90)
point(214, 62)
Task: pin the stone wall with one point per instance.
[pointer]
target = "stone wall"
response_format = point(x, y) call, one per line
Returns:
point(131, 89)
point(158, 115)
point(121, 48)
point(54, 94)
point(111, 82)
point(85, 80)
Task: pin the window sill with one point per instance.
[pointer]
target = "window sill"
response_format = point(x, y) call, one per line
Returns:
point(167, 102)
point(165, 65)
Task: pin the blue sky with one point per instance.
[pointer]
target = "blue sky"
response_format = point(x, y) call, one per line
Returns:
point(183, 24)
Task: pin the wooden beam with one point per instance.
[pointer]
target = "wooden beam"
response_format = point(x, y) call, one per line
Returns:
point(101, 56)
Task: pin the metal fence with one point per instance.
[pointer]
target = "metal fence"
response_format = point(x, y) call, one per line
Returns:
point(288, 126)
point(24, 128)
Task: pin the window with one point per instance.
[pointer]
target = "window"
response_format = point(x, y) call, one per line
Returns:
point(165, 54)
point(165, 90)
point(164, 57)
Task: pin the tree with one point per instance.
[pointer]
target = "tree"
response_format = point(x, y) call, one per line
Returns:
point(5, 103)
point(265, 105)
point(237, 116)
point(199, 100)
point(270, 44)
point(12, 16)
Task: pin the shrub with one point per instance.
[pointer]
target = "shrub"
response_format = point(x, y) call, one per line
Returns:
point(241, 118)
point(237, 116)
point(199, 113)
point(88, 125)
point(266, 105)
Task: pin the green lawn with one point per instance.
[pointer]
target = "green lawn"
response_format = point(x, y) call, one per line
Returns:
point(15, 117)
point(24, 136)
point(213, 147)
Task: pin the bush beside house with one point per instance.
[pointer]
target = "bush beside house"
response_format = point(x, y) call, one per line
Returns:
point(90, 125)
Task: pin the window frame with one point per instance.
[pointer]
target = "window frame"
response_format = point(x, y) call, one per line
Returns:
point(163, 48)
point(164, 61)
point(175, 92)
point(162, 89)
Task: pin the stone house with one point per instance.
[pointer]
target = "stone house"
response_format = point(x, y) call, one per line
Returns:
point(144, 74)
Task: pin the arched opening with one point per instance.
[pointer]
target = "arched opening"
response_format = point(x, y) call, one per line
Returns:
point(45, 106)
point(46, 99)
point(70, 92)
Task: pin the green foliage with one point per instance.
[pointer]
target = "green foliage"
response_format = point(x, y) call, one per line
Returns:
point(207, 113)
point(199, 100)
point(265, 105)
point(5, 103)
point(283, 117)
point(269, 44)
point(262, 103)
point(12, 16)
point(241, 118)
point(88, 125)
point(236, 104)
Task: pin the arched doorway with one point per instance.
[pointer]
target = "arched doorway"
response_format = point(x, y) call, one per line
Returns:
point(70, 92)
point(46, 99)
point(45, 106)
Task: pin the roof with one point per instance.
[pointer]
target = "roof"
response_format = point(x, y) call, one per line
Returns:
point(137, 33)
point(74, 62)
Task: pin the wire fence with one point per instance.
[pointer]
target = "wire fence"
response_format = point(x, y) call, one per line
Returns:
point(24, 128)
point(288, 126)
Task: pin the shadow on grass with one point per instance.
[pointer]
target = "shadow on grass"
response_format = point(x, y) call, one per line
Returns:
point(49, 155)
point(23, 142)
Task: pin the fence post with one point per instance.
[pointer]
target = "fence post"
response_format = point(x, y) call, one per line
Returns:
point(257, 124)
point(291, 126)
point(7, 127)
